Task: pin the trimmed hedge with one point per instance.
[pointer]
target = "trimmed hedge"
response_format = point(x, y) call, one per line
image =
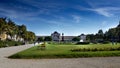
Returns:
point(95, 49)
point(60, 43)
point(9, 43)
point(83, 43)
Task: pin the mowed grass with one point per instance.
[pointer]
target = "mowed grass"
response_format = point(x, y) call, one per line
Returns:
point(64, 51)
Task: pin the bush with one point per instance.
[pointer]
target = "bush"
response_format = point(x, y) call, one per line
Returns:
point(106, 42)
point(82, 43)
point(95, 49)
point(103, 42)
point(9, 43)
point(59, 43)
point(2, 44)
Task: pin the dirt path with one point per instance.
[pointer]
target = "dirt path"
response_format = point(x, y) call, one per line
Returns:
point(98, 62)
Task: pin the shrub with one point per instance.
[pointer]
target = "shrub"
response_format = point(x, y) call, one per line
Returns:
point(82, 43)
point(105, 42)
point(95, 49)
point(9, 43)
point(3, 44)
point(60, 43)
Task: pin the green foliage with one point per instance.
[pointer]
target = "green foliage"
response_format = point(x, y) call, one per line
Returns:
point(9, 27)
point(90, 37)
point(60, 43)
point(9, 43)
point(100, 32)
point(29, 36)
point(48, 38)
point(83, 43)
point(3, 25)
point(40, 39)
point(95, 49)
point(76, 39)
point(113, 34)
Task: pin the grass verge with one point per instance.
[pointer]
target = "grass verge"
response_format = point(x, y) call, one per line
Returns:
point(64, 51)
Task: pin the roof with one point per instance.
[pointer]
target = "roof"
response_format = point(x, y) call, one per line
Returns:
point(69, 37)
point(55, 32)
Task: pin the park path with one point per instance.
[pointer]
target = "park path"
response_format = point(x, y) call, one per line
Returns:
point(95, 62)
point(5, 52)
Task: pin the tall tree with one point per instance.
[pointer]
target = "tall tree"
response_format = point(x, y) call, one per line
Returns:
point(90, 37)
point(76, 39)
point(48, 38)
point(100, 34)
point(7, 26)
point(3, 25)
point(11, 28)
point(40, 39)
point(22, 31)
point(29, 36)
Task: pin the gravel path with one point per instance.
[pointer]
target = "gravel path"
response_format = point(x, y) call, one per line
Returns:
point(96, 62)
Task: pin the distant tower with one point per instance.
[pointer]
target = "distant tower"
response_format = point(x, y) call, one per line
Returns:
point(62, 36)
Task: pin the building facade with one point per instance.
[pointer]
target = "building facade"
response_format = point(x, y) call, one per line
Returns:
point(61, 38)
point(56, 36)
point(82, 38)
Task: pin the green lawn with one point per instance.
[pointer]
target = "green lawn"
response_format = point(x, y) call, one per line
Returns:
point(64, 51)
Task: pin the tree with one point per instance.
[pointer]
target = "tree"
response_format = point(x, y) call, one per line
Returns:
point(99, 36)
point(3, 25)
point(7, 26)
point(22, 31)
point(11, 28)
point(3, 29)
point(48, 38)
point(29, 36)
point(100, 32)
point(40, 39)
point(106, 36)
point(76, 39)
point(118, 33)
point(113, 33)
point(90, 37)
point(32, 36)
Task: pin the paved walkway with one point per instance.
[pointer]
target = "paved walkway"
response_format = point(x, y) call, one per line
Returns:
point(98, 62)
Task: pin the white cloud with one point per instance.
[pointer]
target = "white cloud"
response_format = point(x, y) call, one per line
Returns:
point(103, 7)
point(76, 18)
point(104, 23)
point(58, 23)
point(102, 11)
point(105, 11)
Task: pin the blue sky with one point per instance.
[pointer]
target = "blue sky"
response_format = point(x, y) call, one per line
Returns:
point(71, 17)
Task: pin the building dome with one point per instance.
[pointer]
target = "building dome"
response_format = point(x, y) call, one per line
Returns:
point(55, 32)
point(55, 36)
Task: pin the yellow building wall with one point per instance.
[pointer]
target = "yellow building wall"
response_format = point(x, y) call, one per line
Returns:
point(3, 36)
